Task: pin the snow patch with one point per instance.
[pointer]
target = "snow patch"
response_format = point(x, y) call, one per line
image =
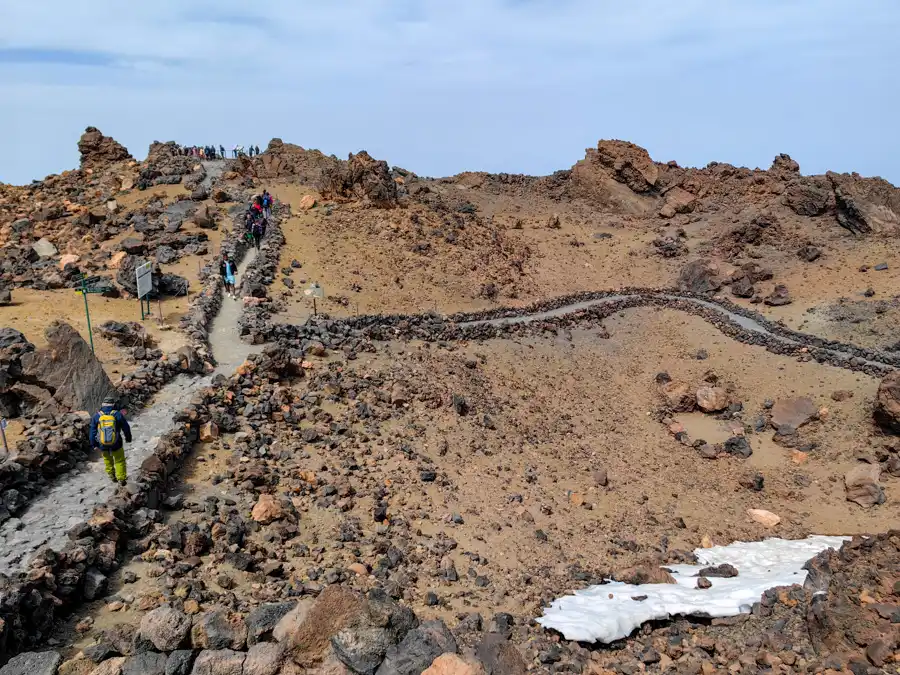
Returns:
point(608, 612)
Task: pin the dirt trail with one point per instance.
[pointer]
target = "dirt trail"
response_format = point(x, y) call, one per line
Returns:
point(72, 499)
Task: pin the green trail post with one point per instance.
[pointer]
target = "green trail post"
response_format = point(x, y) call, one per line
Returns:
point(87, 312)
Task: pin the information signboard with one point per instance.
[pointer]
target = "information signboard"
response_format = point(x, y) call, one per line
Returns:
point(144, 275)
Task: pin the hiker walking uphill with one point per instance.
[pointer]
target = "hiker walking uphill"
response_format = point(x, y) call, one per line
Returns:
point(108, 428)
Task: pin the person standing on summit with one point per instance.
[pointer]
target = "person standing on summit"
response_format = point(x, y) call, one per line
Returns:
point(108, 428)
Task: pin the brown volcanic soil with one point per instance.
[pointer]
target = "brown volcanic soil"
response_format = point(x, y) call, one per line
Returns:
point(517, 504)
point(477, 240)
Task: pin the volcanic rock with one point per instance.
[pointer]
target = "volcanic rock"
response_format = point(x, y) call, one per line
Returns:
point(32, 663)
point(360, 178)
point(742, 287)
point(712, 399)
point(763, 517)
point(699, 276)
point(418, 649)
point(887, 402)
point(166, 628)
point(219, 629)
point(678, 200)
point(792, 413)
point(452, 664)
point(862, 486)
point(44, 248)
point(219, 662)
point(99, 150)
point(630, 164)
point(68, 368)
point(268, 509)
point(779, 296)
point(678, 396)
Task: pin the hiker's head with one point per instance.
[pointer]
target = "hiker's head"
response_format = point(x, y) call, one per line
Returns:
point(109, 401)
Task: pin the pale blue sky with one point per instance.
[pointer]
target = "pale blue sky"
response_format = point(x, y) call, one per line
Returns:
point(441, 86)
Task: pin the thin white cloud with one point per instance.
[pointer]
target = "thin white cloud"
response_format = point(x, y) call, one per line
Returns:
point(442, 86)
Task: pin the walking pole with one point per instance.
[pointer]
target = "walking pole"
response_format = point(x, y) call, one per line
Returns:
point(3, 433)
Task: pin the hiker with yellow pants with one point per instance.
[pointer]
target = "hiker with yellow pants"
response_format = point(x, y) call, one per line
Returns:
point(108, 428)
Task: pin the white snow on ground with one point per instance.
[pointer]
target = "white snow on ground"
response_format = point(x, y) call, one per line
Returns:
point(607, 612)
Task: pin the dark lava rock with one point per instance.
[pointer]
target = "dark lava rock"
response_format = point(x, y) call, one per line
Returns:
point(779, 296)
point(32, 663)
point(738, 445)
point(418, 649)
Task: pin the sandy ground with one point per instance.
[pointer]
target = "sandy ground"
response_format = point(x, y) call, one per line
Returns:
point(340, 258)
point(530, 510)
point(33, 311)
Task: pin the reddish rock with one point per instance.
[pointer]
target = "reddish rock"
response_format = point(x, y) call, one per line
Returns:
point(712, 399)
point(268, 509)
point(98, 150)
point(887, 402)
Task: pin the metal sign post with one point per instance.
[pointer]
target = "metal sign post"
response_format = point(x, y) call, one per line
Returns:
point(84, 290)
point(144, 276)
point(314, 291)
point(3, 433)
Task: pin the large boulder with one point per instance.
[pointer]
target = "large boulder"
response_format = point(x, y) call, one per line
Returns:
point(862, 486)
point(678, 200)
point(125, 276)
point(32, 663)
point(360, 178)
point(629, 163)
point(166, 628)
point(805, 198)
point(306, 631)
point(68, 368)
point(699, 276)
point(864, 205)
point(792, 413)
point(418, 649)
point(98, 150)
point(887, 402)
point(218, 629)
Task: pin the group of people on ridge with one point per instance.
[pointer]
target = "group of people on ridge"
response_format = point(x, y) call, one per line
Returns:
point(238, 151)
point(212, 152)
point(109, 429)
point(203, 151)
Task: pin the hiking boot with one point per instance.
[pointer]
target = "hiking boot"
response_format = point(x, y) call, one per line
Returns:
point(123, 482)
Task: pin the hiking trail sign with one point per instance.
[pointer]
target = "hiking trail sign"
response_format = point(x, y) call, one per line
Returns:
point(143, 274)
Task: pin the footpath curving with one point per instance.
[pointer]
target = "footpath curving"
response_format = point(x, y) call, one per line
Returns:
point(733, 320)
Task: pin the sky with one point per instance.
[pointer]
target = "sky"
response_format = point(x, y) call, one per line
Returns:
point(443, 86)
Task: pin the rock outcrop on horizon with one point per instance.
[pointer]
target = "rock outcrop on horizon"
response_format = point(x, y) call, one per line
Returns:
point(98, 150)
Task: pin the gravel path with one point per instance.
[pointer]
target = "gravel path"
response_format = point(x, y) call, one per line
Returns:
point(72, 499)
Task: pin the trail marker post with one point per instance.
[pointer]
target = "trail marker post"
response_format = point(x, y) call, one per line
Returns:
point(314, 291)
point(144, 276)
point(84, 290)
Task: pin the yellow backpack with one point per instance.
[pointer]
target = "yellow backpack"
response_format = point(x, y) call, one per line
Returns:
point(107, 434)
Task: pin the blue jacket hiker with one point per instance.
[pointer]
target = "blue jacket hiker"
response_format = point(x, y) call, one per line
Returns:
point(108, 429)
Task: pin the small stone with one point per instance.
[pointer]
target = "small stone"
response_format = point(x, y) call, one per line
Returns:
point(704, 583)
point(712, 399)
point(268, 509)
point(763, 517)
